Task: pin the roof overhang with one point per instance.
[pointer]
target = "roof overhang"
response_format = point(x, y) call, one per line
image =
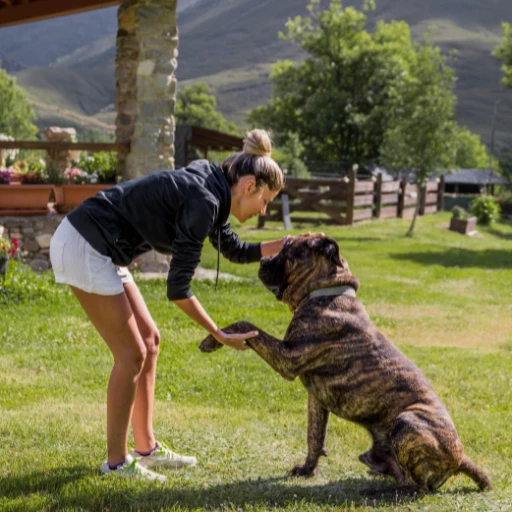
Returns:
point(474, 177)
point(211, 139)
point(13, 12)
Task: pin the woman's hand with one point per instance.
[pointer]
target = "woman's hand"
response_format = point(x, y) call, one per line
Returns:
point(234, 340)
point(315, 234)
point(273, 247)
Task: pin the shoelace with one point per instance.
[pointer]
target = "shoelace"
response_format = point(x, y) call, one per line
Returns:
point(167, 451)
point(133, 467)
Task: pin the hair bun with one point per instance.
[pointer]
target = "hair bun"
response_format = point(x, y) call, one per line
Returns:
point(258, 143)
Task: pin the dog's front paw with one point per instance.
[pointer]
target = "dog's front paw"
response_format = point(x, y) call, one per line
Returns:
point(210, 344)
point(303, 470)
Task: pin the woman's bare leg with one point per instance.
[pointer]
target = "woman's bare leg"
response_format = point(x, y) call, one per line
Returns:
point(142, 418)
point(114, 319)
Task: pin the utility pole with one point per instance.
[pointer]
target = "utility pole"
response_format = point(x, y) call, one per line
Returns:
point(491, 150)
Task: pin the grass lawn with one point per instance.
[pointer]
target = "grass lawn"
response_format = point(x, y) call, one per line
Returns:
point(444, 299)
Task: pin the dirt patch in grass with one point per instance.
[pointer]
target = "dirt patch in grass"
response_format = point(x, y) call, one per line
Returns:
point(489, 328)
point(405, 280)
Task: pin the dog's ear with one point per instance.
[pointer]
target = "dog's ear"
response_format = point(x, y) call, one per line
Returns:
point(328, 247)
point(332, 250)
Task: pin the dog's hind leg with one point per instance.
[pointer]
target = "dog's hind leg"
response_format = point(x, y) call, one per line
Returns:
point(426, 448)
point(318, 417)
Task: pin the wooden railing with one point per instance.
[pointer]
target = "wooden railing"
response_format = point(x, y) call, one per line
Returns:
point(70, 146)
point(344, 201)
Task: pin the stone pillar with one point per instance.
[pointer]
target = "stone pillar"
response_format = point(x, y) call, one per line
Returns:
point(61, 158)
point(147, 51)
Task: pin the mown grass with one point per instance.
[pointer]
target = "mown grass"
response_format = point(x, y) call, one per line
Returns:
point(444, 299)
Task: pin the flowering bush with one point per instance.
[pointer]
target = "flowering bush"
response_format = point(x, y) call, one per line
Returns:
point(77, 176)
point(32, 178)
point(101, 164)
point(8, 247)
point(5, 177)
point(32, 171)
point(486, 209)
point(32, 164)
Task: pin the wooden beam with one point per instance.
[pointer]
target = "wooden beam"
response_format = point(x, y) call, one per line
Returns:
point(38, 10)
point(50, 146)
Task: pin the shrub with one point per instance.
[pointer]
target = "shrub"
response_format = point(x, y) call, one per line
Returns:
point(288, 157)
point(101, 164)
point(22, 284)
point(459, 213)
point(77, 176)
point(486, 209)
point(32, 164)
point(505, 201)
point(53, 175)
point(32, 170)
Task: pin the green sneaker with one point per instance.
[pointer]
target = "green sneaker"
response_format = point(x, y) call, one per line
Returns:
point(162, 456)
point(132, 469)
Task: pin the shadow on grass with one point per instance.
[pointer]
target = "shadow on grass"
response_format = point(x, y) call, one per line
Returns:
point(50, 482)
point(76, 487)
point(462, 258)
point(499, 234)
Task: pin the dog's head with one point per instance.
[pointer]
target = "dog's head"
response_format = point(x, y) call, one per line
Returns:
point(304, 264)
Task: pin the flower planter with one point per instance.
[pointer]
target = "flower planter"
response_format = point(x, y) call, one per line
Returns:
point(68, 197)
point(463, 226)
point(18, 199)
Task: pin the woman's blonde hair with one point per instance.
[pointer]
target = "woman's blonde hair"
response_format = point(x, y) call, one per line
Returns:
point(255, 160)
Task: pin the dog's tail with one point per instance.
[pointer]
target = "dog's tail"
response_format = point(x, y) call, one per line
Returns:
point(469, 468)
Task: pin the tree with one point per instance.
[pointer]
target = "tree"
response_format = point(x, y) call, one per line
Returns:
point(471, 153)
point(423, 131)
point(288, 157)
point(338, 100)
point(504, 53)
point(16, 113)
point(196, 105)
point(505, 165)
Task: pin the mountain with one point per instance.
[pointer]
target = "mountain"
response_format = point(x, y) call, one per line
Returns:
point(66, 65)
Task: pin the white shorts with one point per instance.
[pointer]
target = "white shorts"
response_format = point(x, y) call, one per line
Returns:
point(77, 263)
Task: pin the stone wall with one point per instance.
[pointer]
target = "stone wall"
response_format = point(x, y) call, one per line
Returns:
point(34, 234)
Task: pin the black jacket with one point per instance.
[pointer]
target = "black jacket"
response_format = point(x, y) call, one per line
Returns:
point(171, 212)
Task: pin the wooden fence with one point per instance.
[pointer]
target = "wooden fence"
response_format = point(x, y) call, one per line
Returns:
point(344, 201)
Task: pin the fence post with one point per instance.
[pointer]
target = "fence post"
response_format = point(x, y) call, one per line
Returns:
point(401, 199)
point(440, 194)
point(377, 197)
point(422, 191)
point(351, 192)
point(286, 212)
point(261, 221)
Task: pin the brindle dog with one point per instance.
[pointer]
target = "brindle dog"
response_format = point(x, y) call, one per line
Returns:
point(352, 370)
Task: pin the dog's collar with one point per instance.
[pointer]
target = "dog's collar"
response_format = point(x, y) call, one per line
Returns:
point(334, 290)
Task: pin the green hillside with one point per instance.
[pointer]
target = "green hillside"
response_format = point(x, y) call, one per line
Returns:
point(231, 45)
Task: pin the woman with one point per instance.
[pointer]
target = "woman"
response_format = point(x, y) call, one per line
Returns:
point(172, 212)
